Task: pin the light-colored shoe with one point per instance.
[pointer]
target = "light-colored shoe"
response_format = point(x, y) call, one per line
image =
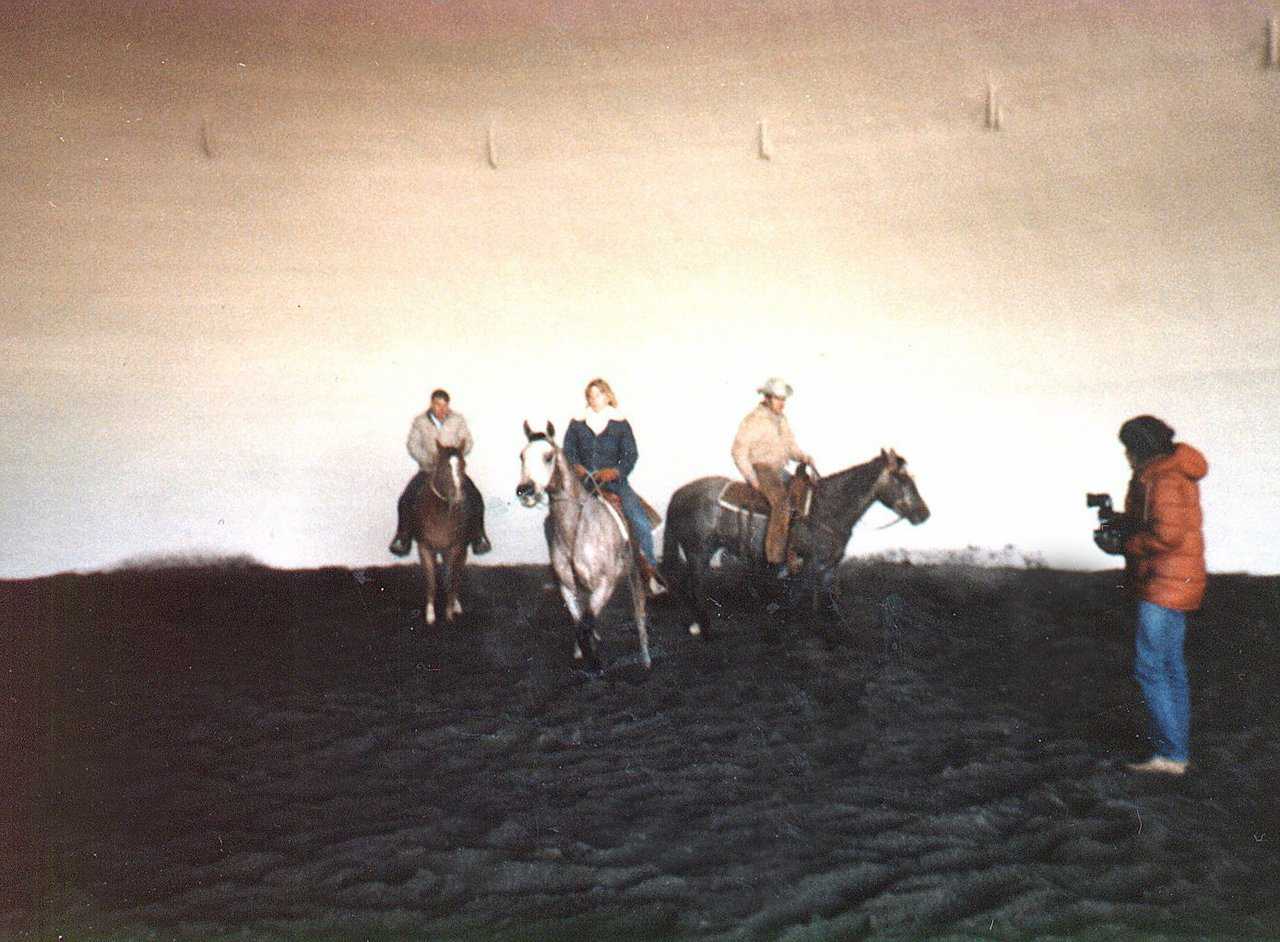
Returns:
point(1158, 765)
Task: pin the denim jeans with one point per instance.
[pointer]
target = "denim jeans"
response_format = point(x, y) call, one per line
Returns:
point(639, 520)
point(1162, 674)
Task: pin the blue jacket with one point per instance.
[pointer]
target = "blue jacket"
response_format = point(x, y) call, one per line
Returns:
point(615, 447)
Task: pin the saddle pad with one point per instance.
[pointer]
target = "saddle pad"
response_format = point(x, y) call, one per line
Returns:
point(739, 495)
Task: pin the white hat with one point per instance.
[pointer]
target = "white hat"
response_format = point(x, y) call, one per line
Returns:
point(775, 387)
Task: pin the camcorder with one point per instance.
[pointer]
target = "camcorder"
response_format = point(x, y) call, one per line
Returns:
point(1113, 528)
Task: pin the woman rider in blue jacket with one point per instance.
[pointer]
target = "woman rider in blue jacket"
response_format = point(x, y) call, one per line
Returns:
point(601, 443)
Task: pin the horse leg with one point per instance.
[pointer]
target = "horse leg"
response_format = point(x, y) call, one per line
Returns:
point(429, 578)
point(457, 560)
point(698, 562)
point(588, 636)
point(638, 604)
point(569, 592)
point(584, 646)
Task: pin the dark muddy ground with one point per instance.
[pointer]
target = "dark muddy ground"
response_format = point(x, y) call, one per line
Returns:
point(239, 753)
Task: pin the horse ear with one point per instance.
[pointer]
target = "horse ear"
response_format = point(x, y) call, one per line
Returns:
point(890, 458)
point(528, 432)
point(551, 430)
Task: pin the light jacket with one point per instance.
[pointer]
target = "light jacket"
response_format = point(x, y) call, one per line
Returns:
point(425, 439)
point(764, 437)
point(1165, 557)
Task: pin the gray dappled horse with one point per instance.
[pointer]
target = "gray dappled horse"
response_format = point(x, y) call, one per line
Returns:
point(589, 550)
point(698, 525)
point(441, 520)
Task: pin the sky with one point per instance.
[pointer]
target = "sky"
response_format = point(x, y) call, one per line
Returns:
point(243, 242)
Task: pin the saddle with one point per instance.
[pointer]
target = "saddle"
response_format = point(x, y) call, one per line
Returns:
point(614, 503)
point(741, 496)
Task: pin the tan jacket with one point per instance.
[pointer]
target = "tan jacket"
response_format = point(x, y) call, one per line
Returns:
point(764, 438)
point(425, 438)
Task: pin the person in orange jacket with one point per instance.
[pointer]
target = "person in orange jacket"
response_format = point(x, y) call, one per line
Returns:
point(1164, 563)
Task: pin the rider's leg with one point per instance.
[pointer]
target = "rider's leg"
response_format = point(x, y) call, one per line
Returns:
point(480, 541)
point(642, 538)
point(775, 537)
point(403, 541)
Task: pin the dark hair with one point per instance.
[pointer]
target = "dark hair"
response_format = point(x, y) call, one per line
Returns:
point(1146, 437)
point(440, 394)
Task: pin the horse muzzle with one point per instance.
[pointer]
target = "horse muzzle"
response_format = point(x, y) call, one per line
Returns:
point(917, 514)
point(527, 494)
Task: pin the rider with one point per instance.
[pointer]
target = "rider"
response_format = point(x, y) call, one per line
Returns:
point(600, 444)
point(438, 427)
point(761, 449)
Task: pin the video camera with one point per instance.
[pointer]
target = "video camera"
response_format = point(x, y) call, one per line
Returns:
point(1112, 529)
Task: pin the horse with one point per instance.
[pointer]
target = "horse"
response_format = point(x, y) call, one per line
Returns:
point(590, 552)
point(698, 525)
point(441, 527)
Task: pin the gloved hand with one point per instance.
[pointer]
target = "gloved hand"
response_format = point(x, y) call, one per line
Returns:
point(580, 470)
point(607, 475)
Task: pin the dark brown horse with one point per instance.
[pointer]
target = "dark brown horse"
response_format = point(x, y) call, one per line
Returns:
point(441, 527)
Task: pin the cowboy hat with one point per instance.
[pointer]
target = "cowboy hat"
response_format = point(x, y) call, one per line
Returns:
point(775, 387)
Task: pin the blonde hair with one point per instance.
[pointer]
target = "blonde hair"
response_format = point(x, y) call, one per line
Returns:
point(604, 388)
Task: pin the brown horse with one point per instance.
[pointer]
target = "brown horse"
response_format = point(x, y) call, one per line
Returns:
point(440, 526)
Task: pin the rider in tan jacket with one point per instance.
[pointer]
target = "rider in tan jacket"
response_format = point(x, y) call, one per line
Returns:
point(761, 449)
point(438, 427)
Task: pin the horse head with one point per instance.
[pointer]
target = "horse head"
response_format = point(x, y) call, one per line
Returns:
point(537, 465)
point(896, 489)
point(448, 475)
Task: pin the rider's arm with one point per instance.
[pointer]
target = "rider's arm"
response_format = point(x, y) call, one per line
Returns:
point(419, 443)
point(741, 452)
point(464, 443)
point(628, 453)
point(572, 453)
point(794, 451)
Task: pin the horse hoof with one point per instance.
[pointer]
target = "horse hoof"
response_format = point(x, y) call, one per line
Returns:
point(695, 629)
point(456, 608)
point(430, 616)
point(577, 652)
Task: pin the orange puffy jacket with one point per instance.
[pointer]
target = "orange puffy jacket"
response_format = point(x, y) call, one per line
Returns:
point(1165, 557)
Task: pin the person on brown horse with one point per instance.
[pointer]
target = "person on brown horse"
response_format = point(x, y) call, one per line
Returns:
point(761, 450)
point(439, 427)
point(601, 448)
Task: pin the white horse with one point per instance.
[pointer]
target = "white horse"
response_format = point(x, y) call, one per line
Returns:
point(589, 549)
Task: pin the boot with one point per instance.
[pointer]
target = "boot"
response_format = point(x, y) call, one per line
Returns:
point(1158, 765)
point(481, 545)
point(653, 580)
point(792, 566)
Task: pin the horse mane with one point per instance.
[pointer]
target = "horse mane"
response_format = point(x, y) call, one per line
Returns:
point(859, 477)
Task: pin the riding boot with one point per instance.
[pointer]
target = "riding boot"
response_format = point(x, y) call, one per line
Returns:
point(654, 583)
point(480, 544)
point(403, 541)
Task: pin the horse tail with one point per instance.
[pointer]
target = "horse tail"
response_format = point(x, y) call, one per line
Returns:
point(670, 546)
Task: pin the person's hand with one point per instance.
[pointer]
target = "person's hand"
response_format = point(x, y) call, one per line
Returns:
point(754, 482)
point(580, 470)
point(606, 475)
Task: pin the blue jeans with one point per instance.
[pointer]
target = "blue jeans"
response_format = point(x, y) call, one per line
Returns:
point(633, 510)
point(1162, 674)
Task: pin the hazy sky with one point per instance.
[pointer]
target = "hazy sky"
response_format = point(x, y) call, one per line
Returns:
point(243, 241)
